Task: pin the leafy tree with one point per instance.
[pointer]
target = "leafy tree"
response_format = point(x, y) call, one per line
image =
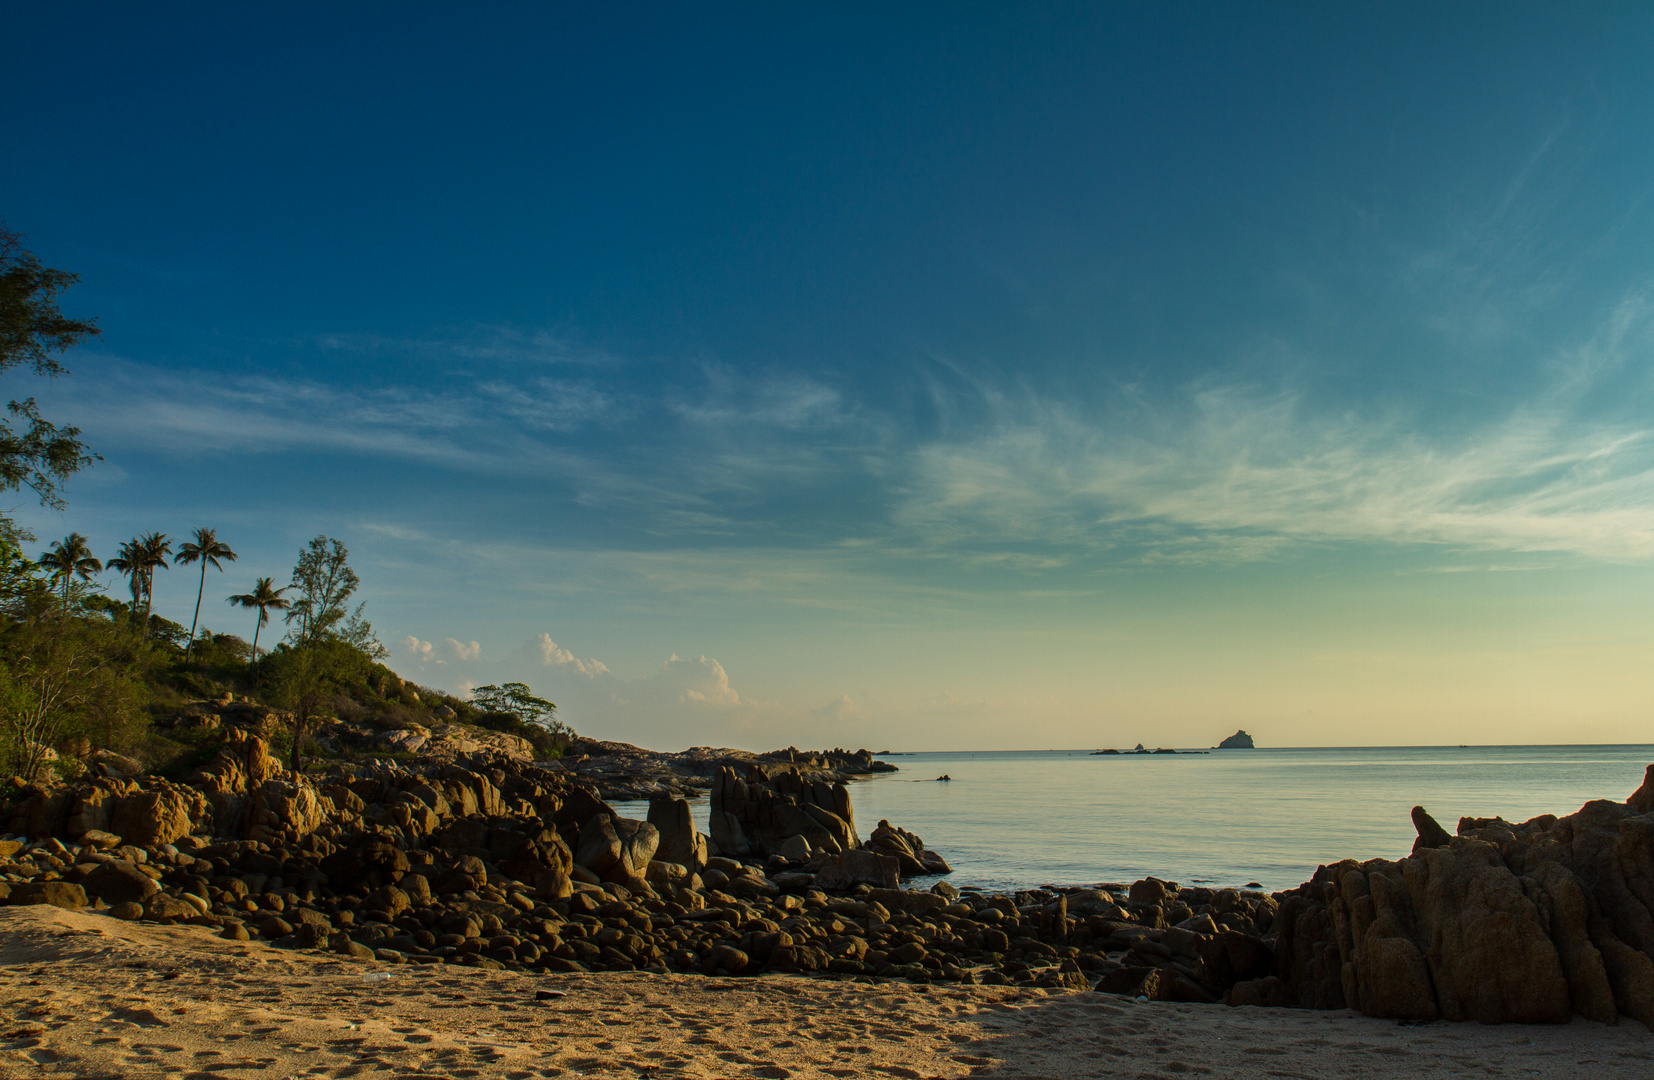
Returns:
point(58, 675)
point(19, 575)
point(266, 599)
point(206, 550)
point(305, 679)
point(69, 558)
point(516, 699)
point(512, 707)
point(41, 455)
point(325, 583)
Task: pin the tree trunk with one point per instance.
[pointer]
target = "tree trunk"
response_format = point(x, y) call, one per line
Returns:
point(301, 720)
point(193, 622)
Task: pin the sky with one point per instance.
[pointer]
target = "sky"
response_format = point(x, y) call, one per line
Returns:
point(913, 376)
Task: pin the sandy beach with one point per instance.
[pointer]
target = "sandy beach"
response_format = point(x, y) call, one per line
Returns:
point(86, 995)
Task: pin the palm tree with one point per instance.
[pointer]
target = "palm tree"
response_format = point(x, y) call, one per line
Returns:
point(69, 558)
point(266, 599)
point(138, 559)
point(130, 561)
point(154, 548)
point(204, 549)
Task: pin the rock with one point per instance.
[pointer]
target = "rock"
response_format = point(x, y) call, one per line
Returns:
point(153, 817)
point(1240, 740)
point(1431, 835)
point(1151, 891)
point(99, 839)
point(62, 894)
point(117, 881)
point(127, 910)
point(369, 860)
point(754, 815)
point(679, 841)
point(162, 906)
point(1642, 800)
point(794, 849)
point(468, 874)
point(283, 810)
point(617, 849)
point(848, 869)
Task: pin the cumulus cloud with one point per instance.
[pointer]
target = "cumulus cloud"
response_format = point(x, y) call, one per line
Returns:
point(426, 653)
point(553, 655)
point(839, 711)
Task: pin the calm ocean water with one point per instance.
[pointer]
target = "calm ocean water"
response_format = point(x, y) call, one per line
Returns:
point(1018, 819)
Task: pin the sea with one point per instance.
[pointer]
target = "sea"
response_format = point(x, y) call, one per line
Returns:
point(1021, 819)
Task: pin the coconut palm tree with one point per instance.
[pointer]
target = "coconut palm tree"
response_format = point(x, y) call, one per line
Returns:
point(130, 561)
point(138, 559)
point(69, 558)
point(204, 549)
point(154, 548)
point(266, 599)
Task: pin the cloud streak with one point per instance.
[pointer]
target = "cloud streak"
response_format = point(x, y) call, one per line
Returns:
point(1009, 477)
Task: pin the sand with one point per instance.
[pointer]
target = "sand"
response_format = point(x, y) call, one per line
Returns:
point(83, 995)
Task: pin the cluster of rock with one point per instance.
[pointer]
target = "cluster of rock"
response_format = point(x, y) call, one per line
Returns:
point(442, 741)
point(623, 772)
point(507, 863)
point(1530, 922)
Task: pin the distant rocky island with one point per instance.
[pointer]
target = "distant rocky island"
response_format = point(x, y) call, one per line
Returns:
point(1240, 740)
point(1140, 750)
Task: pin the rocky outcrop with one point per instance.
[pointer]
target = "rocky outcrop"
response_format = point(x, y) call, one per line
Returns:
point(1240, 740)
point(757, 814)
point(680, 843)
point(1532, 922)
point(911, 855)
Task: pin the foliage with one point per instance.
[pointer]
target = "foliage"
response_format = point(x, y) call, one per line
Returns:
point(19, 575)
point(66, 676)
point(68, 559)
point(205, 549)
point(324, 583)
point(304, 678)
point(138, 559)
point(513, 708)
point(516, 699)
point(41, 455)
point(266, 598)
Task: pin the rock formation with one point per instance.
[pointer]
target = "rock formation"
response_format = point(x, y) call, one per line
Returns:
point(1240, 740)
point(1530, 922)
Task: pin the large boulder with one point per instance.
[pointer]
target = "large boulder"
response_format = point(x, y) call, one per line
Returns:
point(118, 881)
point(158, 816)
point(63, 894)
point(617, 849)
point(680, 842)
point(847, 869)
point(284, 810)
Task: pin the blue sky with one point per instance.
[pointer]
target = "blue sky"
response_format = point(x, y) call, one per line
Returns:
point(925, 375)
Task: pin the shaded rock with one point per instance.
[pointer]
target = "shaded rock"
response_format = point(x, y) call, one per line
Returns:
point(158, 816)
point(62, 894)
point(117, 881)
point(680, 843)
point(848, 869)
point(1431, 834)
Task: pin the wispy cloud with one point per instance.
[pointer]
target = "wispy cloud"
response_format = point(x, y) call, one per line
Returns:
point(1009, 477)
